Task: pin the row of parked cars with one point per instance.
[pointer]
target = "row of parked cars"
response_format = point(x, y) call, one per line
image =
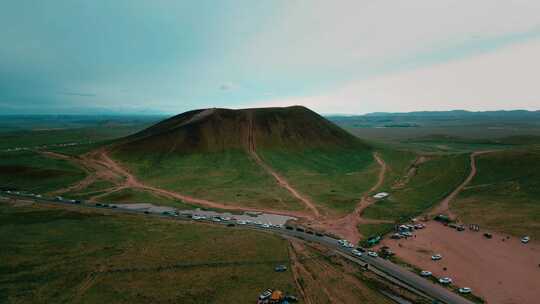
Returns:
point(358, 251)
point(443, 280)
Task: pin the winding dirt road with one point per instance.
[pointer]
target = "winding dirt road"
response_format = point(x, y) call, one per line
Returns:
point(444, 206)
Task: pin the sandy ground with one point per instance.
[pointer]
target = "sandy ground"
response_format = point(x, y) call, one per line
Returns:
point(502, 272)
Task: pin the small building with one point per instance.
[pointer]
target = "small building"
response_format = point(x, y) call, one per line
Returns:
point(381, 195)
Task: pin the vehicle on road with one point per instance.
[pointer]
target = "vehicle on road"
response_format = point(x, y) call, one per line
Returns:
point(241, 222)
point(465, 290)
point(373, 254)
point(445, 280)
point(216, 219)
point(265, 226)
point(525, 239)
point(425, 273)
point(356, 252)
point(436, 257)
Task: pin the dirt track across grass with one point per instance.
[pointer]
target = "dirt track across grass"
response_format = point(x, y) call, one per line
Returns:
point(347, 226)
point(444, 206)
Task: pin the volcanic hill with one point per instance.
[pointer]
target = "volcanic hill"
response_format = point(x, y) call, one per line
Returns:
point(280, 158)
point(215, 129)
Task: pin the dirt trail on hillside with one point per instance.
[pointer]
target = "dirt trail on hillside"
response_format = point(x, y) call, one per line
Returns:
point(347, 226)
point(279, 179)
point(444, 206)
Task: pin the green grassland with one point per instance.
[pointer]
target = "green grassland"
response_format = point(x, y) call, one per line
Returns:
point(505, 193)
point(127, 196)
point(334, 179)
point(31, 171)
point(52, 255)
point(231, 176)
point(434, 180)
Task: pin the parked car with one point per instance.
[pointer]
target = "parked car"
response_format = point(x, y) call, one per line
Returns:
point(280, 268)
point(265, 294)
point(525, 239)
point(372, 254)
point(445, 280)
point(465, 290)
point(356, 252)
point(425, 273)
point(241, 222)
point(436, 257)
point(265, 226)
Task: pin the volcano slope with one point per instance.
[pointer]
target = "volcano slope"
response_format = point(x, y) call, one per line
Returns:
point(276, 158)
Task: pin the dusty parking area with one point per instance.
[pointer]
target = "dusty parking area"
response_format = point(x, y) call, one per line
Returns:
point(505, 272)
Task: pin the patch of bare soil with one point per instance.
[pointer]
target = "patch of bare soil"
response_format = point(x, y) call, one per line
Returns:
point(501, 269)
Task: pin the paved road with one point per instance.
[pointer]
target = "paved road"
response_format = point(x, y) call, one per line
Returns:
point(413, 280)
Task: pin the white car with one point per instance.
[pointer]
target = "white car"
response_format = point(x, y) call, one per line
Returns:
point(265, 226)
point(465, 290)
point(216, 219)
point(356, 252)
point(425, 273)
point(445, 280)
point(240, 222)
point(372, 254)
point(525, 239)
point(436, 257)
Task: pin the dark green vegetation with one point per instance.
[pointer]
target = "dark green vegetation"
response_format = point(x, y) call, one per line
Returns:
point(505, 193)
point(136, 196)
point(432, 181)
point(208, 154)
point(31, 171)
point(51, 255)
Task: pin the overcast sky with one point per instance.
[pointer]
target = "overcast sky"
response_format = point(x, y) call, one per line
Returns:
point(160, 56)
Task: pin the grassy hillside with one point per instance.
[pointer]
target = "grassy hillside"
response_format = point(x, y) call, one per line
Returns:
point(27, 170)
point(334, 179)
point(51, 255)
point(432, 181)
point(206, 154)
point(229, 177)
point(505, 194)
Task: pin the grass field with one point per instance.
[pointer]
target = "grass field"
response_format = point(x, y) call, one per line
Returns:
point(52, 255)
point(334, 179)
point(433, 180)
point(505, 193)
point(231, 176)
point(31, 171)
point(135, 196)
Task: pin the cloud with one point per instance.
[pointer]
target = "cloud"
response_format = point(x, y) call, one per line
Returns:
point(507, 79)
point(77, 94)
